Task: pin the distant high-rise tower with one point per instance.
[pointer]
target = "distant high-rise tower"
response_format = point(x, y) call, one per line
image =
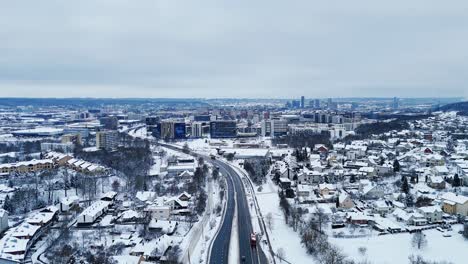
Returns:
point(329, 103)
point(317, 103)
point(302, 101)
point(396, 103)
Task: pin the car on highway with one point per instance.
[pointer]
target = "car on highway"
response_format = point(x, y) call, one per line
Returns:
point(253, 240)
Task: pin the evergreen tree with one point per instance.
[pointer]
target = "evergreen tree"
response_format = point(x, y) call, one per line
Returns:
point(7, 205)
point(396, 166)
point(456, 181)
point(404, 185)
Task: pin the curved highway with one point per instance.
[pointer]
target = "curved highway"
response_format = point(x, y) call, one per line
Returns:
point(235, 196)
point(250, 254)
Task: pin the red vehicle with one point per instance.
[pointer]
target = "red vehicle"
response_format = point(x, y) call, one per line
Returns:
point(253, 240)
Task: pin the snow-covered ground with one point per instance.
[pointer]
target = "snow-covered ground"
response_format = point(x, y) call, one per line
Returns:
point(281, 235)
point(397, 248)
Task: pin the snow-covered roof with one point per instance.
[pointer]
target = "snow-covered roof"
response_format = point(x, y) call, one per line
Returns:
point(430, 209)
point(26, 163)
point(95, 208)
point(167, 226)
point(450, 196)
point(129, 215)
point(328, 186)
point(145, 195)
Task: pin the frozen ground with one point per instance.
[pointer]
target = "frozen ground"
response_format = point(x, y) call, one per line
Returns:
point(396, 248)
point(281, 235)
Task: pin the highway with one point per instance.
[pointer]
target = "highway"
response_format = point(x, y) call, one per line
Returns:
point(251, 254)
point(220, 250)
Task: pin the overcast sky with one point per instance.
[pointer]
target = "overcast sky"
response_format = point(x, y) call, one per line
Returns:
point(262, 49)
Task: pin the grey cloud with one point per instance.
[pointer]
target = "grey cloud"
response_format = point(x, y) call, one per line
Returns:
point(233, 48)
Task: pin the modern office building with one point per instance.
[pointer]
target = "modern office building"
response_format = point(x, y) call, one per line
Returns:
point(274, 127)
point(395, 103)
point(173, 130)
point(72, 138)
point(197, 130)
point(152, 120)
point(317, 103)
point(202, 118)
point(223, 129)
point(108, 140)
point(62, 147)
point(302, 101)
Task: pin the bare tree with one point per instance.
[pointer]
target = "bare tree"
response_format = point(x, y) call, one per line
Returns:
point(115, 185)
point(465, 230)
point(419, 240)
point(173, 255)
point(269, 220)
point(321, 217)
point(333, 256)
point(362, 251)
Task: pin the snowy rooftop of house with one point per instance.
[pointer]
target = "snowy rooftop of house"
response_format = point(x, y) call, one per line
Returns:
point(358, 216)
point(304, 188)
point(56, 155)
point(452, 197)
point(328, 186)
point(167, 226)
point(109, 195)
point(69, 200)
point(343, 196)
point(381, 204)
point(129, 214)
point(284, 180)
point(25, 163)
point(145, 195)
point(441, 169)
point(386, 223)
point(436, 179)
point(6, 189)
point(356, 147)
point(366, 169)
point(40, 218)
point(430, 209)
point(95, 208)
point(10, 246)
point(161, 244)
point(181, 167)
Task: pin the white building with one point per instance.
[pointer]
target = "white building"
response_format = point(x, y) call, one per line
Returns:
point(107, 140)
point(3, 220)
point(93, 212)
point(197, 130)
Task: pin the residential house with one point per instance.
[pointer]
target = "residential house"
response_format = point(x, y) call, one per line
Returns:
point(326, 189)
point(436, 182)
point(433, 214)
point(3, 220)
point(382, 207)
point(370, 190)
point(345, 201)
point(455, 204)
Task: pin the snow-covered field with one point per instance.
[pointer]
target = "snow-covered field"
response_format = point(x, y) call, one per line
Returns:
point(281, 235)
point(387, 249)
point(397, 248)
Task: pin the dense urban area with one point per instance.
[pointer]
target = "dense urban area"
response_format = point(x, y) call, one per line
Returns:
point(334, 181)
